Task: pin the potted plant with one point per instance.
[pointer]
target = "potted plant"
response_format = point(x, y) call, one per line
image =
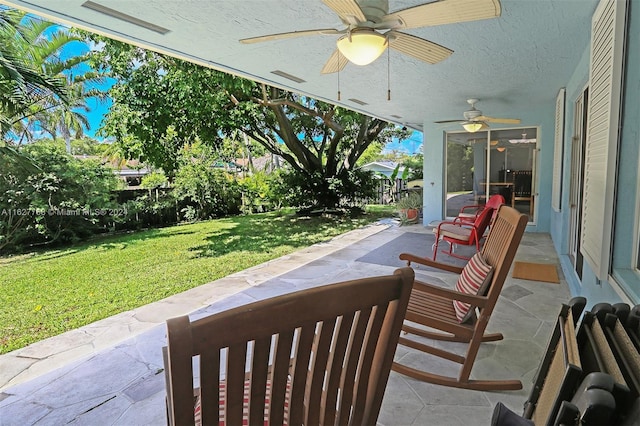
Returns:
point(409, 207)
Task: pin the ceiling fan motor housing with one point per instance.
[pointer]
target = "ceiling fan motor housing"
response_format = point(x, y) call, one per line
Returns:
point(374, 10)
point(472, 114)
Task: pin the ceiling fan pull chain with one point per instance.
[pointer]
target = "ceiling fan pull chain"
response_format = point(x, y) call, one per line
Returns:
point(388, 73)
point(338, 77)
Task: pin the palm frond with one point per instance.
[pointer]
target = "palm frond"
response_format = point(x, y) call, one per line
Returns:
point(10, 155)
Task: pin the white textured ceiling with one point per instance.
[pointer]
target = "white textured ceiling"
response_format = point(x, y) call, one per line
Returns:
point(514, 62)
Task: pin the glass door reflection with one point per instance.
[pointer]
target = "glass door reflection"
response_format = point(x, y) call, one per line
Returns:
point(493, 162)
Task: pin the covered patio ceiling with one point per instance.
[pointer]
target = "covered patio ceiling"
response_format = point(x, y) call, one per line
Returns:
point(513, 63)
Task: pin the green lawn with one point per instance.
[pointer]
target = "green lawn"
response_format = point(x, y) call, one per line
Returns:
point(46, 293)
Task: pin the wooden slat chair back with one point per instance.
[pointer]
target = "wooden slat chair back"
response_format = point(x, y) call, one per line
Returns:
point(588, 376)
point(431, 306)
point(598, 356)
point(559, 373)
point(318, 356)
point(616, 322)
point(614, 353)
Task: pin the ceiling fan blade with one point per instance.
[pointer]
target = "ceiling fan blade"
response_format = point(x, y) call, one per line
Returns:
point(336, 63)
point(290, 34)
point(498, 120)
point(346, 8)
point(448, 121)
point(445, 12)
point(419, 48)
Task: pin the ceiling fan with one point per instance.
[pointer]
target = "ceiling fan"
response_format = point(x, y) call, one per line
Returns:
point(364, 38)
point(474, 121)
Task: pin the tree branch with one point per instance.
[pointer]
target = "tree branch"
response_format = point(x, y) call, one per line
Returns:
point(366, 135)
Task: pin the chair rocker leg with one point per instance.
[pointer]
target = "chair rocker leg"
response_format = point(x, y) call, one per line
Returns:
point(437, 379)
point(459, 256)
point(435, 247)
point(449, 337)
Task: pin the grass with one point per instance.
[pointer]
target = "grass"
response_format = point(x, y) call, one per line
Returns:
point(46, 293)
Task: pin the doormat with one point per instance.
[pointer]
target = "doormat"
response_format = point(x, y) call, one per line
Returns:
point(536, 272)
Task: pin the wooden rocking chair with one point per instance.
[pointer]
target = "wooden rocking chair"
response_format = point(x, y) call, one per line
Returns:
point(432, 306)
point(317, 356)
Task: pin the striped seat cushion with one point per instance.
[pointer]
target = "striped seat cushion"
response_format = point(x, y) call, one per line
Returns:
point(245, 419)
point(454, 231)
point(474, 279)
point(468, 215)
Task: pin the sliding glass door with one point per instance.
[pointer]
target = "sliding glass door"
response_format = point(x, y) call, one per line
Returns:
point(482, 164)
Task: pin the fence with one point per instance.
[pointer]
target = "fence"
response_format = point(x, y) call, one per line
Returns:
point(386, 193)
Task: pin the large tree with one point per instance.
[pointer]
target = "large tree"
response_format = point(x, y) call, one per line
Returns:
point(162, 103)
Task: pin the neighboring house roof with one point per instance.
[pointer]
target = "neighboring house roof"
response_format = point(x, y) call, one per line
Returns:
point(266, 163)
point(227, 165)
point(384, 167)
point(129, 168)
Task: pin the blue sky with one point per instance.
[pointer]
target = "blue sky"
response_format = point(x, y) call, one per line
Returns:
point(410, 146)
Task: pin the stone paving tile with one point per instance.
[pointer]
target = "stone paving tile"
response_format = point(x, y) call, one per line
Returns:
point(517, 356)
point(52, 346)
point(513, 321)
point(431, 394)
point(401, 405)
point(544, 333)
point(514, 292)
point(106, 413)
point(145, 386)
point(543, 306)
point(453, 415)
point(151, 411)
point(123, 384)
point(12, 366)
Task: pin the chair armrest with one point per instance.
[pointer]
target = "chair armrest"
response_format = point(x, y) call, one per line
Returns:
point(467, 225)
point(473, 206)
point(430, 263)
point(459, 220)
point(474, 299)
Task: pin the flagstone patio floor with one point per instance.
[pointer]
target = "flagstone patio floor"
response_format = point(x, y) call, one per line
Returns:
point(110, 372)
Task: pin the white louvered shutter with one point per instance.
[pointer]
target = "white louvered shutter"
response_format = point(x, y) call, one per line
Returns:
point(605, 84)
point(556, 190)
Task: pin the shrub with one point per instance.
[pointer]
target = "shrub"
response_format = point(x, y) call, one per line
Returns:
point(47, 196)
point(258, 193)
point(303, 190)
point(209, 192)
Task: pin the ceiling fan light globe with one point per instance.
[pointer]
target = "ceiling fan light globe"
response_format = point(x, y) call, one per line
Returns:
point(362, 48)
point(472, 126)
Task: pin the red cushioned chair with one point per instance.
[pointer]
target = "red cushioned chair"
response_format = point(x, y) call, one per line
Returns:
point(461, 233)
point(469, 214)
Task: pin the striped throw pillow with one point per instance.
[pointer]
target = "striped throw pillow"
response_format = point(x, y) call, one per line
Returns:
point(245, 408)
point(474, 279)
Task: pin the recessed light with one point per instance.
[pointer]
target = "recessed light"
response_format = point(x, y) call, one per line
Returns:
point(358, 101)
point(288, 76)
point(124, 17)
